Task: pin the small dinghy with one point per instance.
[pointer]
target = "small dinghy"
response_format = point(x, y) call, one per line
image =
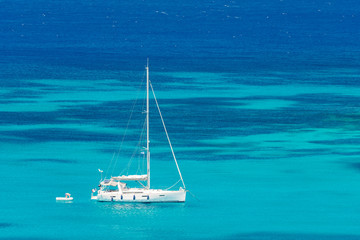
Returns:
point(93, 191)
point(66, 198)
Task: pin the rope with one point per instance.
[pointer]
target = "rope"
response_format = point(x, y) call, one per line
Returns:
point(134, 152)
point(107, 170)
point(173, 184)
point(167, 135)
point(127, 126)
point(122, 141)
point(193, 195)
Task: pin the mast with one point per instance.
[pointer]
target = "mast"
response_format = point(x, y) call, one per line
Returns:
point(147, 126)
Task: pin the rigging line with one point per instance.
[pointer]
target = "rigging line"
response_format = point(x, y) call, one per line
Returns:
point(107, 170)
point(193, 195)
point(122, 141)
point(173, 184)
point(141, 150)
point(140, 167)
point(141, 141)
point(127, 125)
point(134, 152)
point(141, 184)
point(167, 135)
point(143, 107)
point(144, 102)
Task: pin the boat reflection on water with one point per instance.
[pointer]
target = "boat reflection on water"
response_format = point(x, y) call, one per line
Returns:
point(132, 209)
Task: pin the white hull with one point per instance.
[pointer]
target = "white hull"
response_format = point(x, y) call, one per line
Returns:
point(142, 195)
point(64, 199)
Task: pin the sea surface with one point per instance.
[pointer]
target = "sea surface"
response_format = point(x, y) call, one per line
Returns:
point(261, 99)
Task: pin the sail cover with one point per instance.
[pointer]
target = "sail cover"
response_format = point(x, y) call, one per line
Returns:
point(131, 178)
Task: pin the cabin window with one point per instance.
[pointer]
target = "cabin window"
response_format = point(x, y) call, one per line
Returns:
point(109, 188)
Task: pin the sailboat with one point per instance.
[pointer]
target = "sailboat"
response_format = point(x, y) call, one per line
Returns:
point(115, 189)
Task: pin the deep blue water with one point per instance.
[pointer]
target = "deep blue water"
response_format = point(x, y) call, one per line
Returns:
point(261, 100)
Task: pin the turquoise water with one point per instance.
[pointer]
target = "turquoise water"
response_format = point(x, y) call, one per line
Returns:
point(261, 101)
point(276, 174)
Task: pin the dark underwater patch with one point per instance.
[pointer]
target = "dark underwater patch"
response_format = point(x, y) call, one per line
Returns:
point(352, 153)
point(50, 160)
point(30, 118)
point(327, 99)
point(57, 134)
point(206, 155)
point(72, 101)
point(5, 225)
point(23, 93)
point(355, 165)
point(215, 117)
point(191, 119)
point(289, 236)
point(4, 101)
point(25, 238)
point(107, 113)
point(312, 151)
point(12, 80)
point(316, 101)
point(344, 141)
